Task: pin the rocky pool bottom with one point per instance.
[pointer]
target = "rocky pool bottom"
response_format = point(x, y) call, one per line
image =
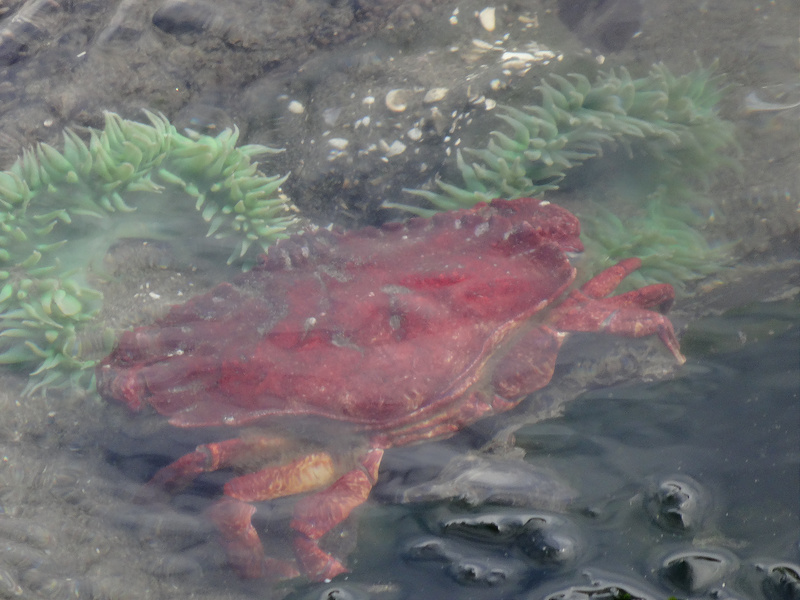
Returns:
point(686, 487)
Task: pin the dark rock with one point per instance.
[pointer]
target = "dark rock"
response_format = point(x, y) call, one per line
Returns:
point(782, 582)
point(695, 571)
point(181, 17)
point(677, 504)
point(487, 480)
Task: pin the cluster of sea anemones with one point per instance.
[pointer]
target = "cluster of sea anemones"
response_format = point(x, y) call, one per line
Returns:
point(55, 206)
point(667, 126)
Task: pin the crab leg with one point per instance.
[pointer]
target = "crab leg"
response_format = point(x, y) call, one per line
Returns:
point(314, 515)
point(232, 515)
point(241, 542)
point(210, 457)
point(626, 314)
point(317, 514)
point(607, 280)
point(305, 474)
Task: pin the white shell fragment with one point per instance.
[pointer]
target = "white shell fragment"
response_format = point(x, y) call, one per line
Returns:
point(518, 56)
point(753, 104)
point(435, 94)
point(478, 43)
point(397, 99)
point(522, 61)
point(487, 18)
point(393, 149)
point(415, 133)
point(296, 107)
point(331, 115)
point(454, 17)
point(339, 143)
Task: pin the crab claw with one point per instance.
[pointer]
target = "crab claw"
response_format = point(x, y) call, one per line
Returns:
point(628, 314)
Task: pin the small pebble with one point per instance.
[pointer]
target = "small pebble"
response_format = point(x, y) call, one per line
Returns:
point(487, 18)
point(339, 143)
point(435, 94)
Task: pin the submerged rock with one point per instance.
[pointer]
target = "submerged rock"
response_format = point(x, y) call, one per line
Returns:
point(477, 480)
point(677, 504)
point(781, 581)
point(500, 549)
point(600, 586)
point(695, 571)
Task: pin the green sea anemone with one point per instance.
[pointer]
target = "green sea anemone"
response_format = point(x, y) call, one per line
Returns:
point(671, 250)
point(59, 209)
point(667, 126)
point(671, 119)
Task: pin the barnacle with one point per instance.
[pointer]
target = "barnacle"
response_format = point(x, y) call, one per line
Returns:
point(55, 206)
point(666, 124)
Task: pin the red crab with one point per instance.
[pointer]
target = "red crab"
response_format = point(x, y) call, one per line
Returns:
point(340, 345)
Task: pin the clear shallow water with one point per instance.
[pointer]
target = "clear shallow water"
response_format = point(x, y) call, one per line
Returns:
point(725, 429)
point(726, 425)
point(697, 470)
